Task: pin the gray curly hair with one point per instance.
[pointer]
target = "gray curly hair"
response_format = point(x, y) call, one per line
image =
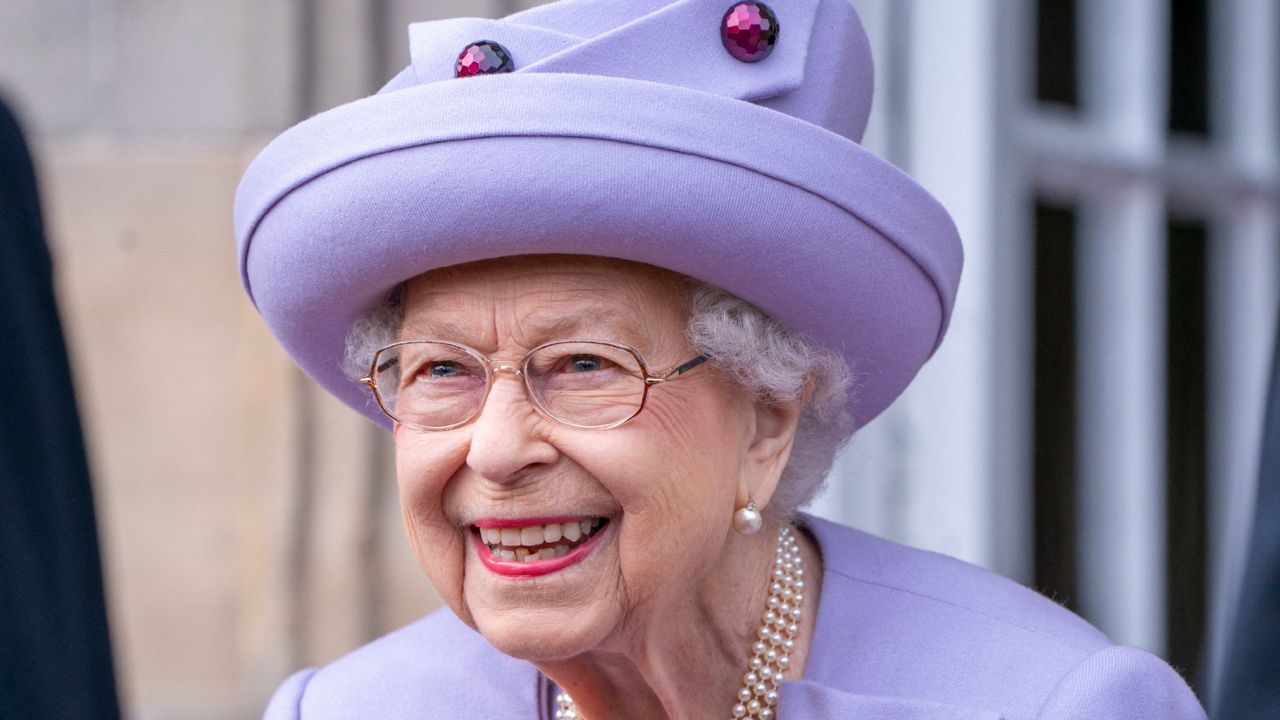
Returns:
point(752, 349)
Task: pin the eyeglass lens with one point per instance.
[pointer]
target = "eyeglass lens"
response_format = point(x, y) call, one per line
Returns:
point(436, 385)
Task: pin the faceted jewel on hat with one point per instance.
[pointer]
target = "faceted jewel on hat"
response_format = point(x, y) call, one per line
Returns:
point(749, 31)
point(483, 57)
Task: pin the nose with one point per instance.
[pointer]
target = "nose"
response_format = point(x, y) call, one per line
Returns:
point(507, 438)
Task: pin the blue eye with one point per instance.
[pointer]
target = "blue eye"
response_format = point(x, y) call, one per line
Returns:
point(585, 363)
point(444, 369)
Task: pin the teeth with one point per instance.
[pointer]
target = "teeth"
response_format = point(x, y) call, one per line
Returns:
point(523, 554)
point(572, 531)
point(524, 544)
point(534, 535)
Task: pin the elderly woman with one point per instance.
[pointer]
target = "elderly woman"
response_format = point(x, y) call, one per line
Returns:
point(620, 280)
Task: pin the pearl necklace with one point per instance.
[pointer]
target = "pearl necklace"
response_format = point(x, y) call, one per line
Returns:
point(771, 652)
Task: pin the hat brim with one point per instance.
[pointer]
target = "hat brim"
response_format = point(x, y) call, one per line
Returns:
point(804, 224)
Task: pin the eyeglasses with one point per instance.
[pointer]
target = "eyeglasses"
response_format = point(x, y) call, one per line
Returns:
point(436, 385)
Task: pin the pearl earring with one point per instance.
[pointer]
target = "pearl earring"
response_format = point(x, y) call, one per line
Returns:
point(747, 520)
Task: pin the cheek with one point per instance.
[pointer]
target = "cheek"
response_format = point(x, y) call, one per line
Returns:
point(675, 477)
point(673, 466)
point(422, 474)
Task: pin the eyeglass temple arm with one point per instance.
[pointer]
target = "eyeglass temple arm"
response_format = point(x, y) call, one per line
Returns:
point(370, 378)
point(679, 370)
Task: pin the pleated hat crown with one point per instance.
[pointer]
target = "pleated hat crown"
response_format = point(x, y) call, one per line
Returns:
point(820, 69)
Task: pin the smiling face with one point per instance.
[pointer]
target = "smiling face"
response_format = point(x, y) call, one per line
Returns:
point(628, 521)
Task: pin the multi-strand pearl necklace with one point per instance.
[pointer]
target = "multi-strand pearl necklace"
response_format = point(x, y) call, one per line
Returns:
point(775, 640)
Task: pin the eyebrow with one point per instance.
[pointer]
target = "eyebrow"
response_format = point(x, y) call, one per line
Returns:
point(564, 327)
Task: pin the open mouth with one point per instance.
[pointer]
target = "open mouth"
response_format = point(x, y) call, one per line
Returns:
point(536, 541)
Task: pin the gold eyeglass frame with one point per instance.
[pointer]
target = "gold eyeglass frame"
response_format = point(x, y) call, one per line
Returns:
point(520, 370)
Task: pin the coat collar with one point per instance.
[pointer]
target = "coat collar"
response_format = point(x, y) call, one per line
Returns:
point(804, 699)
point(826, 691)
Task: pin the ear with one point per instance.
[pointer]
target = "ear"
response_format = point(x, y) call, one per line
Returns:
point(771, 434)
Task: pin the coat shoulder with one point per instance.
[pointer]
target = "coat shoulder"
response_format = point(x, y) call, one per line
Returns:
point(1123, 683)
point(903, 622)
point(434, 667)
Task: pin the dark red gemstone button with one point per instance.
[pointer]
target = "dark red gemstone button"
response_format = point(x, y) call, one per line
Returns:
point(483, 57)
point(749, 31)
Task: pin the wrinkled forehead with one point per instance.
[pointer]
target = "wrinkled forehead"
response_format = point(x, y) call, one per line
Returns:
point(524, 301)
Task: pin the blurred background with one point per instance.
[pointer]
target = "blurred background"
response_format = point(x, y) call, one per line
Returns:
point(1090, 428)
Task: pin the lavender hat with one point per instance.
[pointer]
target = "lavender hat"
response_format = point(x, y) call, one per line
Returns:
point(718, 143)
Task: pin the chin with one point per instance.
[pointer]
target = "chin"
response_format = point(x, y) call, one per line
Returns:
point(544, 634)
point(556, 613)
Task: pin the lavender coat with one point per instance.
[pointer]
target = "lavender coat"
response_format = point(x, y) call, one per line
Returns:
point(902, 634)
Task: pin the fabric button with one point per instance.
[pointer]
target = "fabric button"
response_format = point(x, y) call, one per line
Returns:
point(749, 31)
point(483, 57)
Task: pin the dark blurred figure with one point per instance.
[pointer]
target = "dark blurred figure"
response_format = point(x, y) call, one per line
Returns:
point(55, 653)
point(1250, 688)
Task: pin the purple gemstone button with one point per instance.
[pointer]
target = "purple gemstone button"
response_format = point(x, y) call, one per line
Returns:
point(749, 31)
point(483, 57)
